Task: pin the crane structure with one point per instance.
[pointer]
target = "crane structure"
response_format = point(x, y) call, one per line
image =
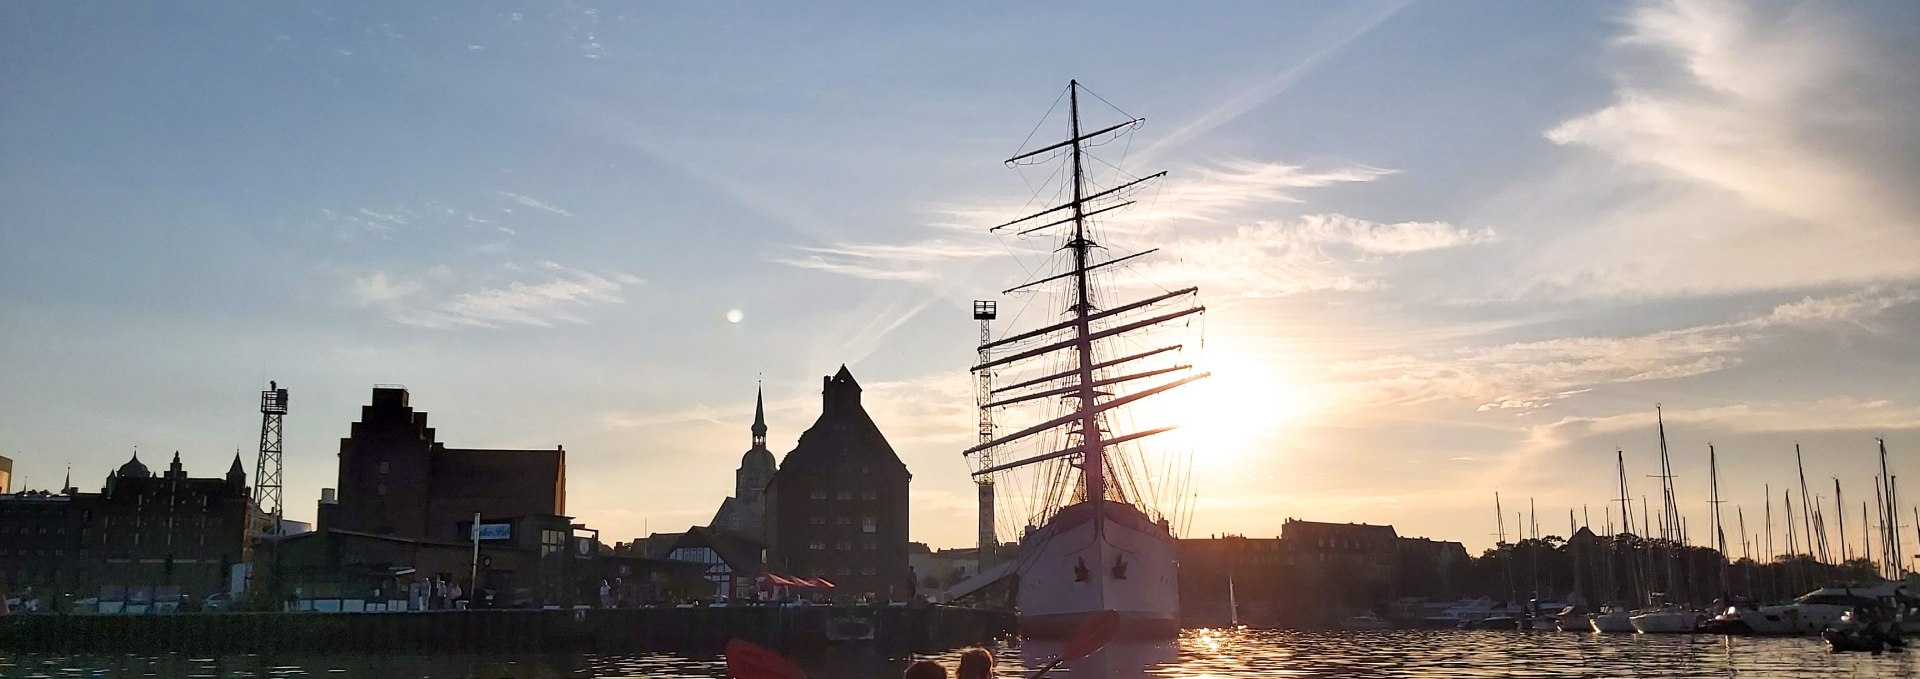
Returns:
point(985, 311)
point(267, 508)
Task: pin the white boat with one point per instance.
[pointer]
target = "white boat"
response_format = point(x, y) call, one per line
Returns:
point(1612, 620)
point(1572, 619)
point(1365, 621)
point(1819, 609)
point(1460, 614)
point(1095, 544)
point(1670, 619)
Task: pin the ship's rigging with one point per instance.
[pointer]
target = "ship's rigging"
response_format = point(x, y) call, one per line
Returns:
point(1062, 417)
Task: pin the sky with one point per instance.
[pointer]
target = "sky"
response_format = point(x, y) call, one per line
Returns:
point(1447, 249)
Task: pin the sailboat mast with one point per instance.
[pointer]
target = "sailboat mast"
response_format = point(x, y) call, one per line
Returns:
point(1719, 529)
point(1093, 474)
point(1840, 513)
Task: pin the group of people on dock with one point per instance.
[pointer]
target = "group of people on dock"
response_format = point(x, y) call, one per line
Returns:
point(974, 663)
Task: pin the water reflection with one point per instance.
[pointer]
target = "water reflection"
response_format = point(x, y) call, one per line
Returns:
point(1208, 653)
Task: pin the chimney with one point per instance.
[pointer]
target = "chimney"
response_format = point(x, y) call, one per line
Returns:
point(329, 496)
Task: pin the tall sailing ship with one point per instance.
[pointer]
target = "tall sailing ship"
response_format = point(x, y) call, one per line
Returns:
point(1104, 495)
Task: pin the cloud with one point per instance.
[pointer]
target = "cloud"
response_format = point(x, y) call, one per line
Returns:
point(1219, 191)
point(1528, 376)
point(439, 298)
point(1328, 252)
point(1747, 147)
point(1218, 194)
point(1830, 414)
point(537, 204)
point(908, 262)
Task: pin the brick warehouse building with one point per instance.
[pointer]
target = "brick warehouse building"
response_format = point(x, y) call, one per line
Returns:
point(837, 507)
point(397, 479)
point(142, 536)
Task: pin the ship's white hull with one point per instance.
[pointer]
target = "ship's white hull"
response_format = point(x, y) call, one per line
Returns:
point(1078, 565)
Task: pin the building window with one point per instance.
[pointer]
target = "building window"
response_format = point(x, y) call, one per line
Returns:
point(869, 525)
point(383, 489)
point(844, 546)
point(846, 570)
point(869, 495)
point(869, 570)
point(869, 545)
point(819, 495)
point(843, 520)
point(819, 521)
point(383, 466)
point(816, 544)
point(551, 542)
point(845, 495)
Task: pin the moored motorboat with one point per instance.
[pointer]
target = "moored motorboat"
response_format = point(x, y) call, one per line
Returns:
point(1820, 609)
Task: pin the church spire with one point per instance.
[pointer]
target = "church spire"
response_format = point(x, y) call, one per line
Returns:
point(759, 417)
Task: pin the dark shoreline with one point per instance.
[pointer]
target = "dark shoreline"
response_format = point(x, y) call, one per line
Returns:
point(896, 629)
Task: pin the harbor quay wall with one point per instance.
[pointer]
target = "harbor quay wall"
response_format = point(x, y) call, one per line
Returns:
point(918, 629)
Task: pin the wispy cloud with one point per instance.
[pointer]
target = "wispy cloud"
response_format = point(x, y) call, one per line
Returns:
point(1830, 414)
point(440, 298)
point(1527, 376)
point(1312, 253)
point(907, 262)
point(536, 204)
point(1216, 195)
point(1740, 152)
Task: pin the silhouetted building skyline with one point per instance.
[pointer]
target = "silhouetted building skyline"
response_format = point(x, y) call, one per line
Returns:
point(837, 506)
point(140, 534)
point(396, 478)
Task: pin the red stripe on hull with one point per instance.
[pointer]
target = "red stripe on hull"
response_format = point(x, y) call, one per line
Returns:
point(1133, 625)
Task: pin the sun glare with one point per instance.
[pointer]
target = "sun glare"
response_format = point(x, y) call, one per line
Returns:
point(1228, 415)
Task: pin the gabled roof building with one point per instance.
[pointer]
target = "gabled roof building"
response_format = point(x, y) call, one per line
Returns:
point(837, 506)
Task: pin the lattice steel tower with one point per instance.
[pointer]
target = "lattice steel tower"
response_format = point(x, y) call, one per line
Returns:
point(985, 311)
point(266, 474)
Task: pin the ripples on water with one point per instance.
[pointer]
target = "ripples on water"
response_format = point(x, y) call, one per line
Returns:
point(1213, 654)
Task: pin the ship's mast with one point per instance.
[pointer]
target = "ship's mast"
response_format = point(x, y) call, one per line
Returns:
point(1079, 385)
point(1093, 463)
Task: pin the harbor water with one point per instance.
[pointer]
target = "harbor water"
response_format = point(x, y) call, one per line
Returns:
point(1214, 654)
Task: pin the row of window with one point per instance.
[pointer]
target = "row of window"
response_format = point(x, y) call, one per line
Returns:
point(107, 521)
point(843, 545)
point(8, 530)
point(846, 495)
point(867, 523)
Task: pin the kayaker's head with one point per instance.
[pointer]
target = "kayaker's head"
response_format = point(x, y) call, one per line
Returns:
point(975, 663)
point(926, 669)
